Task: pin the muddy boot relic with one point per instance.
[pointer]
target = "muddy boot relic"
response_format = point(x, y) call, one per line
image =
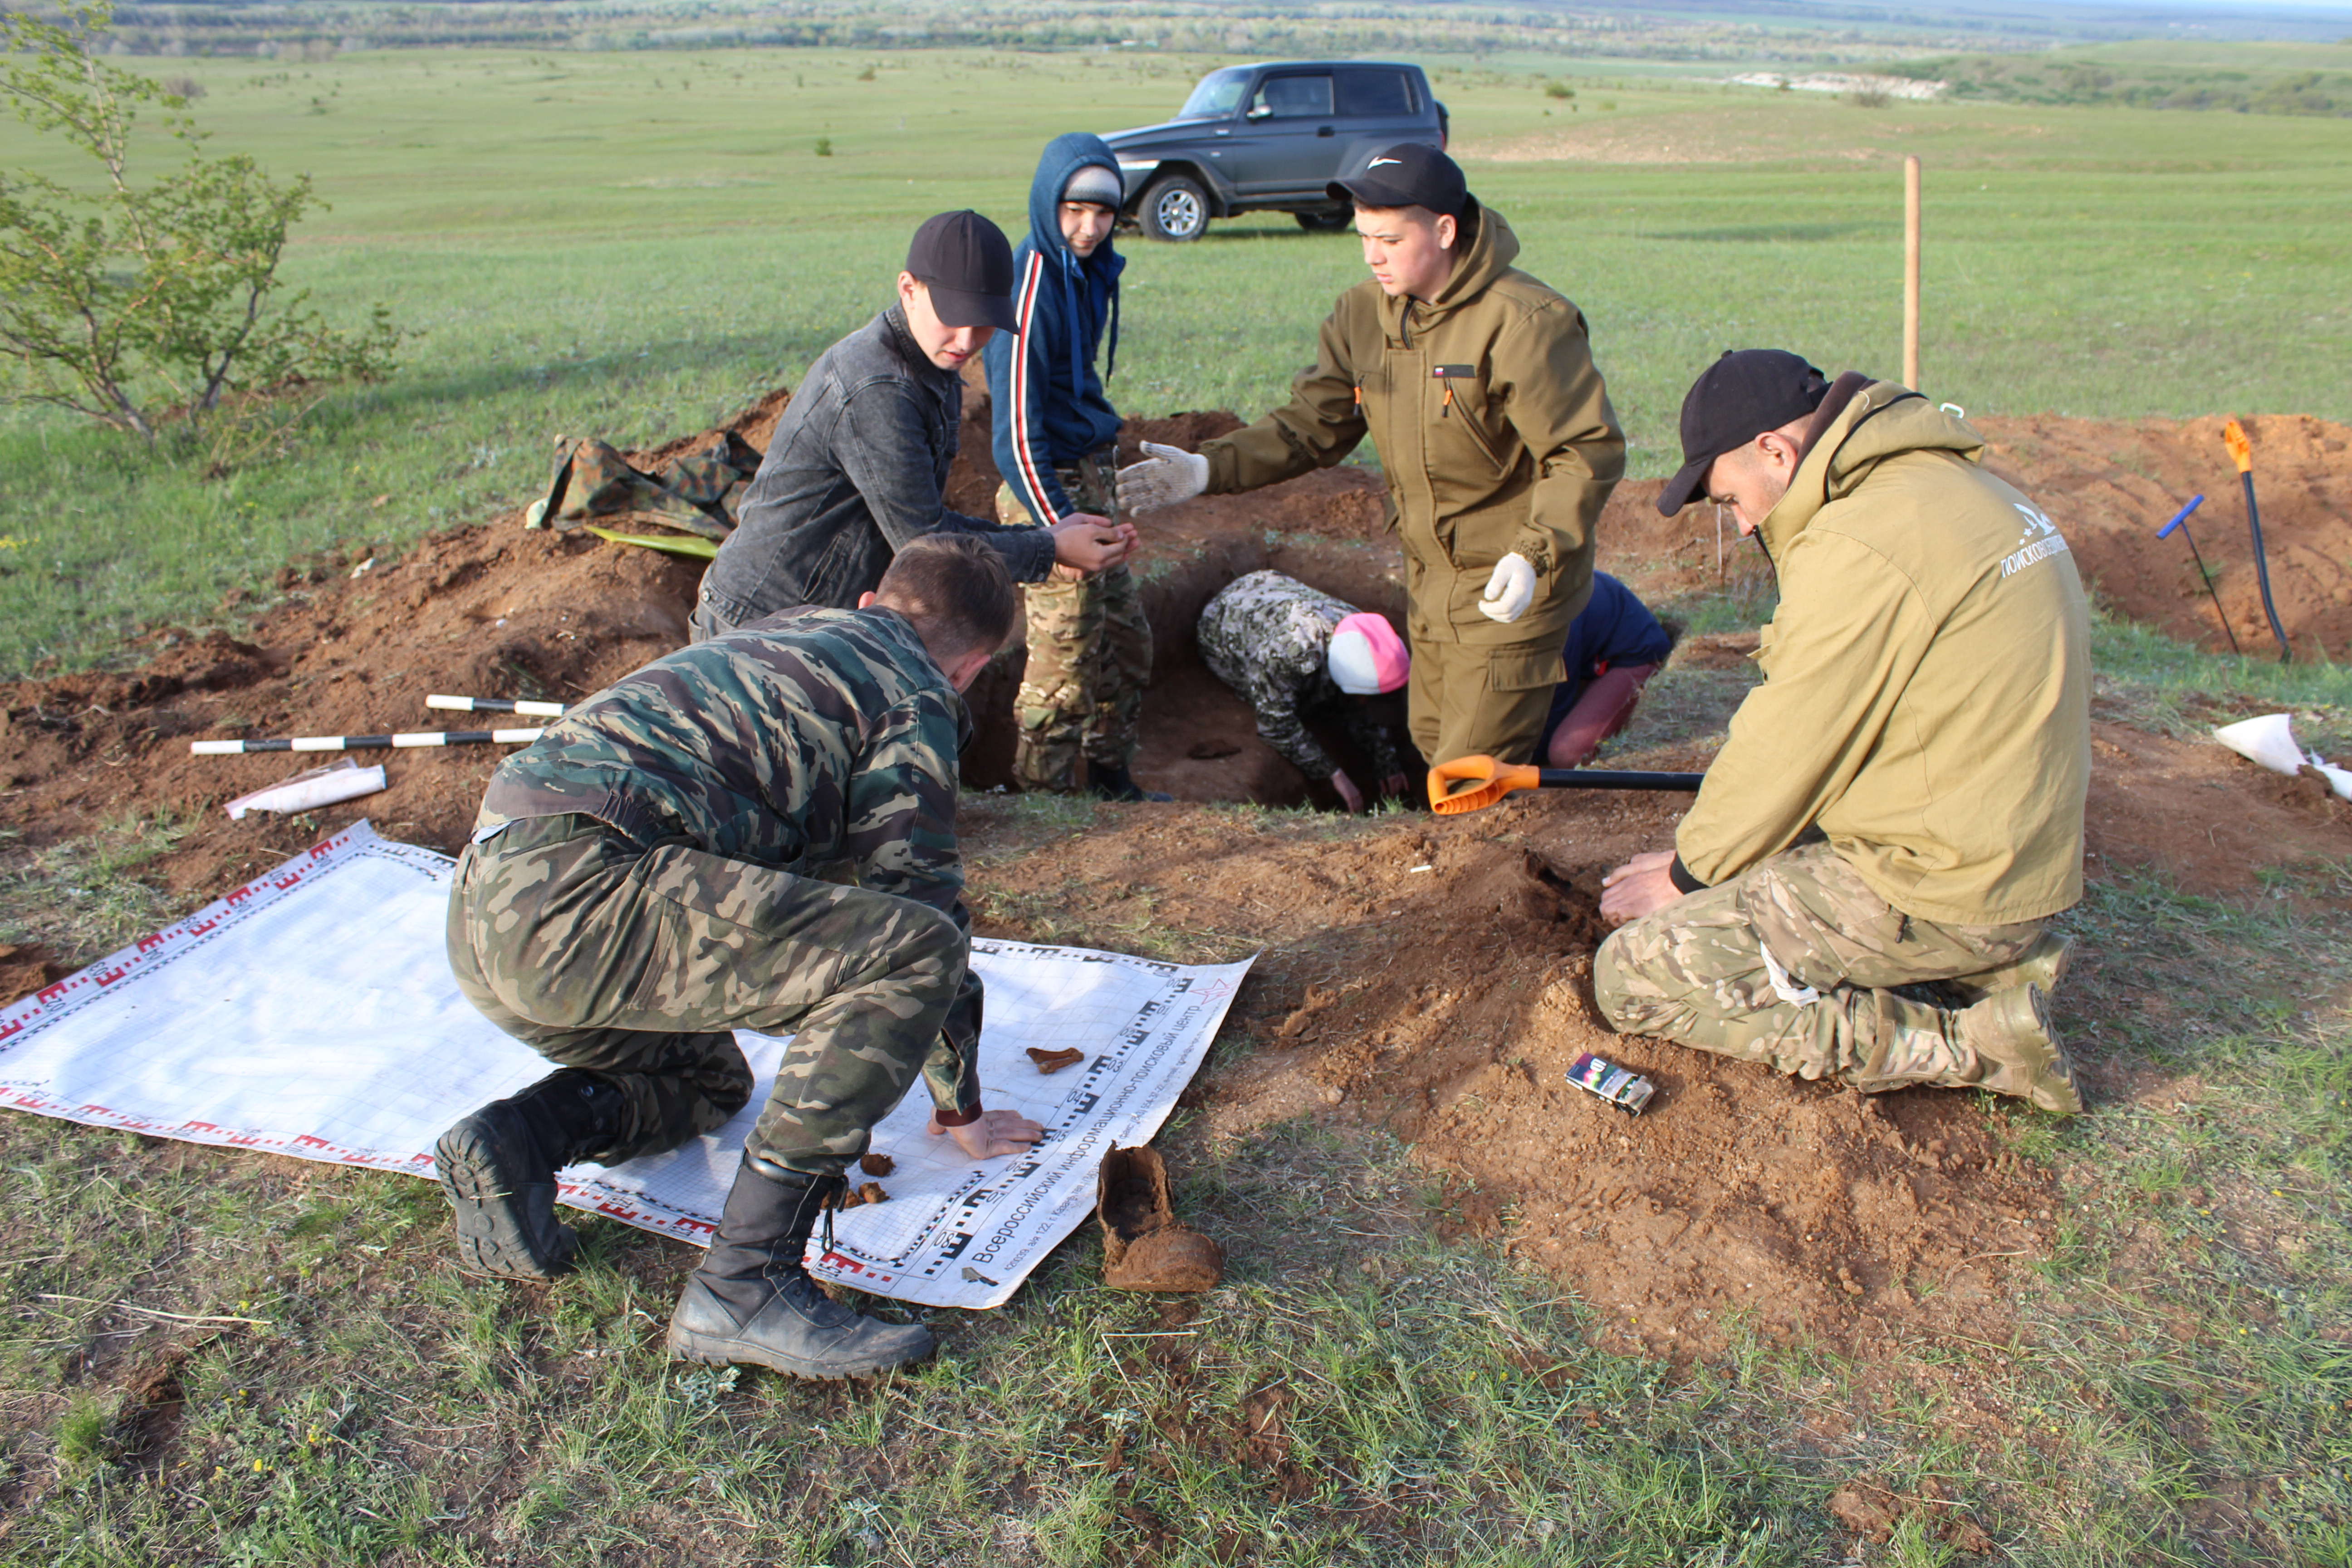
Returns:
point(2003, 1044)
point(2043, 964)
point(1145, 1246)
point(497, 1169)
point(1116, 784)
point(752, 1301)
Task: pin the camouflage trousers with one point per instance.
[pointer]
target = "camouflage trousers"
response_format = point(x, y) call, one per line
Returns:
point(1800, 964)
point(636, 963)
point(1089, 651)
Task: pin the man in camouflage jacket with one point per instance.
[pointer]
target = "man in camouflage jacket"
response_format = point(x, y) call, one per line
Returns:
point(639, 885)
point(1268, 636)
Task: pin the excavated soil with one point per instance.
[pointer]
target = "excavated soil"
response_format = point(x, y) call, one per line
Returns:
point(2109, 487)
point(1430, 977)
point(1436, 980)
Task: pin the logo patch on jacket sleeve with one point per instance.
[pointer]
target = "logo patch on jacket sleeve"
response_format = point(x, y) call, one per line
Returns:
point(2040, 540)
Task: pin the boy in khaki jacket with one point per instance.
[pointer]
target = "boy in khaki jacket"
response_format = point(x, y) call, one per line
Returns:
point(1476, 385)
point(1900, 803)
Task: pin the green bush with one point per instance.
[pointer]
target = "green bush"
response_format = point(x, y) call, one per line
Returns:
point(121, 298)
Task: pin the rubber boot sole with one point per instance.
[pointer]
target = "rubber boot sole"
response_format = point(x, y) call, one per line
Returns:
point(506, 1222)
point(896, 1346)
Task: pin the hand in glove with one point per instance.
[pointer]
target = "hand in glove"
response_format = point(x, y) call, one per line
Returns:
point(1167, 475)
point(1510, 590)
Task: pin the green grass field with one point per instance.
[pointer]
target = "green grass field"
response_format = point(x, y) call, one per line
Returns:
point(633, 245)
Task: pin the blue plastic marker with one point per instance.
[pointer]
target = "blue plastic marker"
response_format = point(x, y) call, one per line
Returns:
point(2181, 521)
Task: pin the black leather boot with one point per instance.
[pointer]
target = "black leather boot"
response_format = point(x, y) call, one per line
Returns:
point(752, 1302)
point(497, 1168)
point(1116, 784)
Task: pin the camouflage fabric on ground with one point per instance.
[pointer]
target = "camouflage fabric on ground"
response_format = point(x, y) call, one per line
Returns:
point(1800, 964)
point(593, 480)
point(1089, 650)
point(1268, 636)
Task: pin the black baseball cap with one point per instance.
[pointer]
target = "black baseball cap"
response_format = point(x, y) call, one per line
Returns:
point(1409, 175)
point(967, 264)
point(1734, 400)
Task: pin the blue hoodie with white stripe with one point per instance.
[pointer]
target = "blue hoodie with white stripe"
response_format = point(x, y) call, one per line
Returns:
point(1046, 398)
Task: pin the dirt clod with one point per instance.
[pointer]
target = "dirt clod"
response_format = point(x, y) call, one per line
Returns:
point(24, 969)
point(874, 1164)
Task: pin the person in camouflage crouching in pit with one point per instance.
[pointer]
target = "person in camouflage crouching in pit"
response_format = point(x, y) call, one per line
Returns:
point(1861, 888)
point(1295, 653)
point(637, 887)
point(1055, 434)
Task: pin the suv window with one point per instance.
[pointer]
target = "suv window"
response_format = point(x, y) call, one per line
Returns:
point(1288, 97)
point(1375, 93)
point(1218, 95)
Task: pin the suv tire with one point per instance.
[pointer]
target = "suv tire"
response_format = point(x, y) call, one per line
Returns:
point(1327, 222)
point(1175, 209)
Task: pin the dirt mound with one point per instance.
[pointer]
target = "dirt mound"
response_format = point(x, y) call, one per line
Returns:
point(490, 611)
point(2109, 487)
point(1436, 981)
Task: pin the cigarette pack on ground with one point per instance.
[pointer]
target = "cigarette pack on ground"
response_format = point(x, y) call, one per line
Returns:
point(1612, 1083)
point(344, 780)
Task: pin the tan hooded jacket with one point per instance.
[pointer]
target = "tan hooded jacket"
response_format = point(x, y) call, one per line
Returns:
point(1520, 461)
point(1927, 680)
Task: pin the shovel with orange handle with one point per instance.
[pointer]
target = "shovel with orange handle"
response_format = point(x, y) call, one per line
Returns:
point(2233, 436)
point(1473, 783)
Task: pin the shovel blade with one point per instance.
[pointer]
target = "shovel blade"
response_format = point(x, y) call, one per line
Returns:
point(1473, 783)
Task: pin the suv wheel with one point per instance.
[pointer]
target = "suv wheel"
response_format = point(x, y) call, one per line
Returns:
point(1176, 208)
point(1325, 222)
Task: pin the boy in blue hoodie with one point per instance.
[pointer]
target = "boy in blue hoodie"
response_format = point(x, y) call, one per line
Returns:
point(1056, 434)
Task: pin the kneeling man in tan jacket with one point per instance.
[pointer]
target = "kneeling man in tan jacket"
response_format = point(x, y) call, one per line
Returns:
point(1859, 891)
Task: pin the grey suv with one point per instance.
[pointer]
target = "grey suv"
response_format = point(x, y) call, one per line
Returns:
point(1270, 138)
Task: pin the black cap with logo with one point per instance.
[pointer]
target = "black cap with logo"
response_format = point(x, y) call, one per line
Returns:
point(966, 263)
point(1734, 400)
point(1409, 175)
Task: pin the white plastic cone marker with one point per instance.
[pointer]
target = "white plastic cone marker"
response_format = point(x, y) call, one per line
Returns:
point(341, 781)
point(2268, 741)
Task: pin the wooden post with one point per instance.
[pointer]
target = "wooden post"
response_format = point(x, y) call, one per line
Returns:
point(1911, 273)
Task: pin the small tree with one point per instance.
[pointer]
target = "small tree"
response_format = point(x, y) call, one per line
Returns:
point(112, 297)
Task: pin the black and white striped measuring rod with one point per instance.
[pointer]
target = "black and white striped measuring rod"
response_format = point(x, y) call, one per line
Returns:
point(495, 705)
point(367, 742)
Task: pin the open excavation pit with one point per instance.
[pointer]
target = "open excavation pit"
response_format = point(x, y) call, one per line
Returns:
point(1426, 976)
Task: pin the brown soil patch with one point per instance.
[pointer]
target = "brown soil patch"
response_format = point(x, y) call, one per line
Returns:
point(1436, 981)
point(1442, 1004)
point(2109, 487)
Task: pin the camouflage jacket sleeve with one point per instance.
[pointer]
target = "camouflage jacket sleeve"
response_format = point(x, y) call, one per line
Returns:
point(901, 828)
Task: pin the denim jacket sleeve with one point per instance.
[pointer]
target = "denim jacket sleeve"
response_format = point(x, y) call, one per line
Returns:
point(883, 449)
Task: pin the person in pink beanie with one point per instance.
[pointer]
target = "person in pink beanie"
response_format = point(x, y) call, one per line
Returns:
point(1295, 653)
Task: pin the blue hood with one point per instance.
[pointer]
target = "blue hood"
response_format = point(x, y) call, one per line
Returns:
point(1050, 408)
point(1065, 155)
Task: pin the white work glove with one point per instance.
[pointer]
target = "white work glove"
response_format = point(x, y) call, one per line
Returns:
point(1510, 590)
point(1167, 475)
